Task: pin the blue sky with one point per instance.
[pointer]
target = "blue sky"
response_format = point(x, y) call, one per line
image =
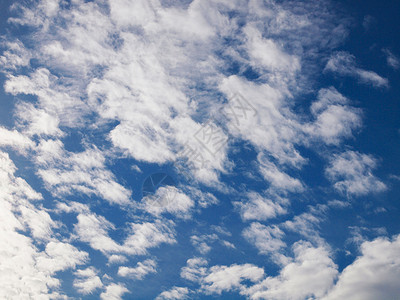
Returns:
point(199, 149)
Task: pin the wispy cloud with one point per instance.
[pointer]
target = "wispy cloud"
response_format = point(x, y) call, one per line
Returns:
point(344, 63)
point(391, 59)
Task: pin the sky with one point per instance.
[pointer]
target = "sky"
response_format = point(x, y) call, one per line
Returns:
point(205, 149)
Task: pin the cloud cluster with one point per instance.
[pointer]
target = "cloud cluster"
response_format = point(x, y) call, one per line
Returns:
point(153, 82)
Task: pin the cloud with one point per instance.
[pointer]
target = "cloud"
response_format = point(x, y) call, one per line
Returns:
point(310, 274)
point(52, 97)
point(87, 280)
point(35, 121)
point(201, 243)
point(174, 293)
point(267, 53)
point(15, 56)
point(229, 278)
point(267, 239)
point(344, 64)
point(15, 140)
point(140, 271)
point(307, 223)
point(335, 119)
point(138, 79)
point(60, 256)
point(117, 259)
point(368, 21)
point(93, 229)
point(66, 173)
point(261, 208)
point(373, 275)
point(135, 72)
point(279, 180)
point(391, 59)
point(114, 291)
point(218, 279)
point(170, 200)
point(26, 270)
point(204, 199)
point(351, 173)
point(195, 269)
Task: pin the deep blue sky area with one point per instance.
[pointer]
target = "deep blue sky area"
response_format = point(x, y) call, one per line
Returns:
point(302, 202)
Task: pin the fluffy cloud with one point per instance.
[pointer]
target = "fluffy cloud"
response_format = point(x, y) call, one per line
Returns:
point(114, 291)
point(267, 239)
point(169, 199)
point(335, 119)
point(257, 207)
point(373, 275)
point(25, 270)
point(218, 279)
point(310, 274)
point(174, 293)
point(93, 230)
point(138, 80)
point(15, 56)
point(351, 173)
point(14, 139)
point(195, 269)
point(140, 271)
point(228, 278)
point(87, 281)
point(202, 242)
point(84, 172)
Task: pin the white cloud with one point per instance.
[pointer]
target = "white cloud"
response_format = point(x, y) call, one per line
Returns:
point(334, 118)
point(15, 56)
point(203, 199)
point(351, 173)
point(174, 293)
point(140, 271)
point(128, 78)
point(307, 223)
point(228, 278)
point(87, 280)
point(36, 121)
point(279, 180)
point(202, 242)
point(26, 271)
point(93, 229)
point(114, 291)
point(391, 59)
point(218, 279)
point(344, 63)
point(274, 129)
point(267, 239)
point(228, 244)
point(148, 235)
point(195, 269)
point(60, 256)
point(260, 208)
point(15, 140)
point(267, 53)
point(309, 275)
point(84, 172)
point(373, 275)
point(171, 200)
point(54, 98)
point(117, 259)
point(136, 71)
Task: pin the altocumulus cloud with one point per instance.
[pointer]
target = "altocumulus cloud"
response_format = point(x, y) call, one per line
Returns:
point(100, 85)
